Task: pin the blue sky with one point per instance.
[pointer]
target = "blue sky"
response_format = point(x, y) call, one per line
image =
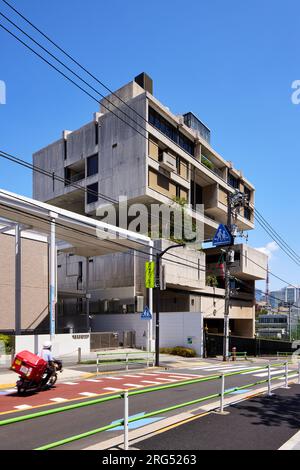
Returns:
point(232, 63)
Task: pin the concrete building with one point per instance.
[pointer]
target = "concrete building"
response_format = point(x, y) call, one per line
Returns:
point(152, 157)
point(34, 280)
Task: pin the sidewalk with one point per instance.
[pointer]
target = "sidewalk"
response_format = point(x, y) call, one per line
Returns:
point(260, 423)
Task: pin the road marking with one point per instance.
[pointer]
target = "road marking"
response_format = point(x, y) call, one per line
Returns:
point(292, 444)
point(150, 382)
point(10, 390)
point(135, 376)
point(58, 400)
point(23, 407)
point(111, 389)
point(88, 394)
point(93, 380)
point(265, 374)
point(167, 380)
point(113, 378)
point(69, 383)
point(179, 377)
point(133, 385)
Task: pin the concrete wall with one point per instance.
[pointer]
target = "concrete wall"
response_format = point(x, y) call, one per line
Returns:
point(34, 282)
point(66, 344)
point(175, 328)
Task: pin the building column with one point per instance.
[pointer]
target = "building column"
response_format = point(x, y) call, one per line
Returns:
point(150, 300)
point(87, 294)
point(52, 289)
point(18, 280)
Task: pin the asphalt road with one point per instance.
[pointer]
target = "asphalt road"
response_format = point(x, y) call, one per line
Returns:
point(34, 433)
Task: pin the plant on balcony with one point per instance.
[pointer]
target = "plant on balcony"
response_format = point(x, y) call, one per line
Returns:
point(207, 163)
point(212, 281)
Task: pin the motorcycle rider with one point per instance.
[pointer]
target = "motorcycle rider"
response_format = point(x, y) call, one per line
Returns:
point(47, 355)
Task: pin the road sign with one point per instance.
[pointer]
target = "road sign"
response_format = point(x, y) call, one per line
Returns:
point(223, 236)
point(146, 315)
point(150, 274)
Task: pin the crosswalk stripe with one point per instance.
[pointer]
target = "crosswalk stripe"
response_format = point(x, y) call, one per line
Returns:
point(88, 394)
point(113, 378)
point(69, 383)
point(58, 399)
point(150, 382)
point(111, 389)
point(133, 385)
point(265, 374)
point(23, 407)
point(93, 380)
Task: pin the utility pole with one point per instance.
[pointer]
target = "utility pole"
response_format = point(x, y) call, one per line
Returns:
point(234, 201)
point(157, 298)
point(227, 284)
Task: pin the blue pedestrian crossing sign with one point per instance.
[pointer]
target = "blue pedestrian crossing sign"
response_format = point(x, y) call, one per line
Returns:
point(223, 236)
point(146, 315)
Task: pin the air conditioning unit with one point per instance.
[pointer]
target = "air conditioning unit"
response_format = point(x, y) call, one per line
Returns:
point(168, 162)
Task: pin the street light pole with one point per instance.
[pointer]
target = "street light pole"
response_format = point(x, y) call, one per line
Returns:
point(157, 297)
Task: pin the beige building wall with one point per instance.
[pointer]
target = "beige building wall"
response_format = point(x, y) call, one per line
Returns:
point(34, 296)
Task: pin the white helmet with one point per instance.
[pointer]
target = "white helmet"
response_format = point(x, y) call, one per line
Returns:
point(47, 345)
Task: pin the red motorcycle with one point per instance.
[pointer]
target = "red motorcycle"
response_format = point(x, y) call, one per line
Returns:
point(34, 373)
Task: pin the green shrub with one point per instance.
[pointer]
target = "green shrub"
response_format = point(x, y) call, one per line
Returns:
point(8, 342)
point(179, 351)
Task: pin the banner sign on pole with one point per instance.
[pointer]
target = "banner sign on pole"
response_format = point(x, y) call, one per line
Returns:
point(150, 274)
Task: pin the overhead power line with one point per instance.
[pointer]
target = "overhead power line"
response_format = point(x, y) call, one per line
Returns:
point(264, 224)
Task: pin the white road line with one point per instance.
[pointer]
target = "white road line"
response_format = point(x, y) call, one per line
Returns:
point(265, 374)
point(10, 390)
point(93, 380)
point(69, 383)
point(134, 376)
point(292, 444)
point(150, 382)
point(111, 389)
point(167, 380)
point(113, 378)
point(23, 407)
point(133, 385)
point(58, 399)
point(88, 394)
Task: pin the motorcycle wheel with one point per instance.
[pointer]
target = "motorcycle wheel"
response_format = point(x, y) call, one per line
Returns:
point(52, 380)
point(21, 390)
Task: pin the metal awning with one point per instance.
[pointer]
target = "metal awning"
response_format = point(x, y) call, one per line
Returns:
point(75, 233)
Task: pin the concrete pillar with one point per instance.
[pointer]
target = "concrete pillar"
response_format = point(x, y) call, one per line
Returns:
point(87, 296)
point(18, 280)
point(52, 289)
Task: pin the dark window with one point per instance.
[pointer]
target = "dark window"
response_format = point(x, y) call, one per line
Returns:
point(92, 193)
point(170, 131)
point(196, 194)
point(233, 181)
point(92, 165)
point(65, 149)
point(247, 213)
point(96, 133)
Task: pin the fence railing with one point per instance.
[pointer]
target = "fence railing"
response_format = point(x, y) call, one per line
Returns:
point(126, 420)
point(147, 358)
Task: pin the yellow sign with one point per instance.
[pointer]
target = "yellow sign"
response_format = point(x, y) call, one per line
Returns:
point(150, 274)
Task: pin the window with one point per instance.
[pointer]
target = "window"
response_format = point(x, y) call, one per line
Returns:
point(196, 194)
point(233, 181)
point(247, 213)
point(92, 165)
point(170, 131)
point(96, 133)
point(65, 149)
point(92, 193)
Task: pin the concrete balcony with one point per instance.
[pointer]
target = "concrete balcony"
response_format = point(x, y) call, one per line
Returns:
point(252, 264)
point(187, 271)
point(249, 264)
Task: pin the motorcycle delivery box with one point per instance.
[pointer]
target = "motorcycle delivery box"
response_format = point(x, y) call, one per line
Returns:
point(29, 366)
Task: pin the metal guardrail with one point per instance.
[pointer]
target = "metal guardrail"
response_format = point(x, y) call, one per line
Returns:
point(125, 358)
point(284, 354)
point(237, 355)
point(126, 394)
